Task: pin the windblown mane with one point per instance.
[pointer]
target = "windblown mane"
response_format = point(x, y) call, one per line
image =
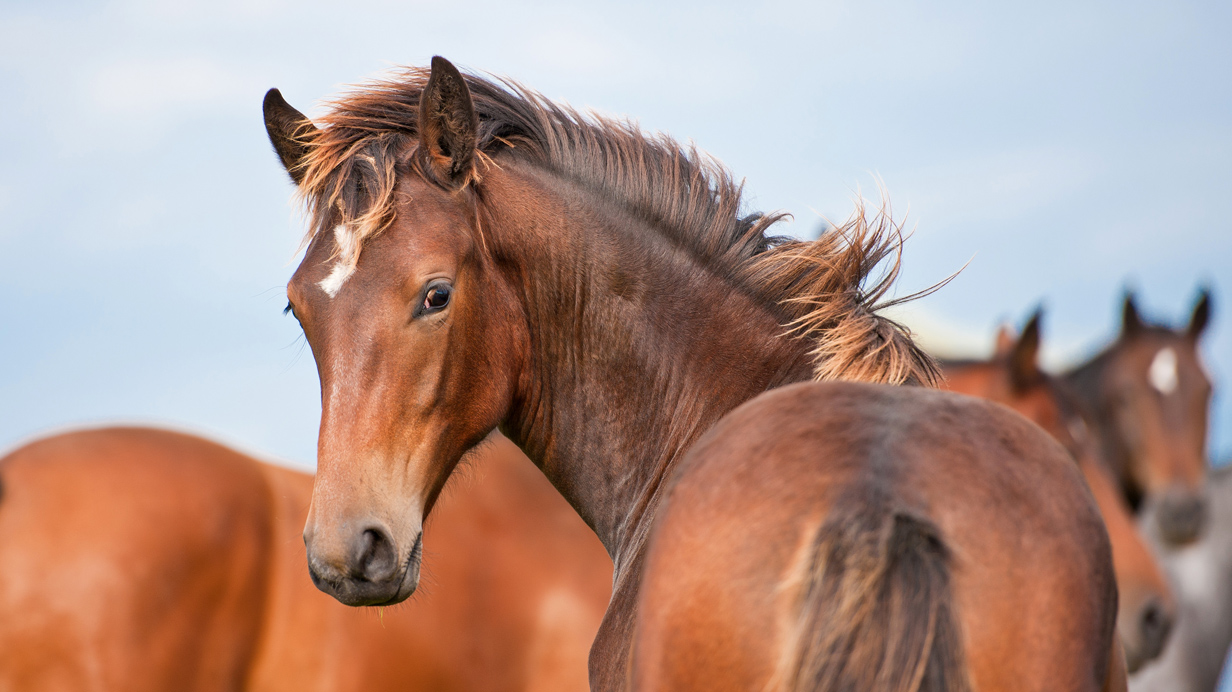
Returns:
point(818, 286)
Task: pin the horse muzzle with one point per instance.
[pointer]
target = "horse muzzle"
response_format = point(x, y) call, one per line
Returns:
point(367, 570)
point(1144, 631)
point(1181, 516)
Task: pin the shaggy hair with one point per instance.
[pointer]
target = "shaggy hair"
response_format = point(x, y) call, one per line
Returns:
point(817, 287)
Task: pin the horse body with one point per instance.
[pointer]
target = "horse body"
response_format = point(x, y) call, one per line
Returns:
point(851, 477)
point(113, 583)
point(148, 560)
point(598, 297)
point(1146, 606)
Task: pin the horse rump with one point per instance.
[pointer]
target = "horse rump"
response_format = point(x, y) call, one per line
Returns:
point(876, 609)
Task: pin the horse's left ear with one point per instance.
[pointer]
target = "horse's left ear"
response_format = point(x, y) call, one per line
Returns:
point(1024, 359)
point(448, 126)
point(1201, 314)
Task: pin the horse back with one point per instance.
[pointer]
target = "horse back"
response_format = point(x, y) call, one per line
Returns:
point(133, 560)
point(848, 536)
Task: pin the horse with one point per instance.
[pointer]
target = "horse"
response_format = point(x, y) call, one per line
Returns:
point(1201, 571)
point(147, 560)
point(1013, 377)
point(481, 258)
point(1150, 397)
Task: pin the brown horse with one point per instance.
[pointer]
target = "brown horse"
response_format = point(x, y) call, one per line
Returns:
point(1150, 397)
point(1013, 377)
point(480, 257)
point(139, 559)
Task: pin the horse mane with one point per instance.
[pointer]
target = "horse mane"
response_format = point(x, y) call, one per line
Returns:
point(818, 287)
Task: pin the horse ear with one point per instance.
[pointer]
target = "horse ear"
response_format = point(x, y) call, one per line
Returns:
point(1131, 321)
point(1005, 342)
point(1024, 359)
point(288, 130)
point(448, 126)
point(1201, 314)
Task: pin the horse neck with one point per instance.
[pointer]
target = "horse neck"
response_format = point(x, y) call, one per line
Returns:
point(1086, 384)
point(637, 348)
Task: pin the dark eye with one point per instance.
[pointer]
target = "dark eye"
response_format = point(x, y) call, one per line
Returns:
point(437, 297)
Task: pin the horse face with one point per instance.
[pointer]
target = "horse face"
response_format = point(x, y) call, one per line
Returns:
point(410, 352)
point(414, 344)
point(1158, 395)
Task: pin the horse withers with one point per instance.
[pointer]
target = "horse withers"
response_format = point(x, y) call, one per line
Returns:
point(1150, 398)
point(482, 258)
point(1012, 376)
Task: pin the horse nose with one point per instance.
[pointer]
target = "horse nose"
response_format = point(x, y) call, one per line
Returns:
point(1154, 625)
point(1181, 517)
point(361, 568)
point(368, 555)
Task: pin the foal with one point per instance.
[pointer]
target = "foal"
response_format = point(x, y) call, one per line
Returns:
point(479, 257)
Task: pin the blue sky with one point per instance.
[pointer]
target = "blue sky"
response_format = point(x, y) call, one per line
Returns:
point(146, 229)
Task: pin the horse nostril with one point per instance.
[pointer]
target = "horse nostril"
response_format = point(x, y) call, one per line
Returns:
point(1155, 623)
point(376, 560)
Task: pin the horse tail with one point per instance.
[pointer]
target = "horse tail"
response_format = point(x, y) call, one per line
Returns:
point(876, 610)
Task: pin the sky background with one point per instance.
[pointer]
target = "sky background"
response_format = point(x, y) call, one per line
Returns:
point(146, 228)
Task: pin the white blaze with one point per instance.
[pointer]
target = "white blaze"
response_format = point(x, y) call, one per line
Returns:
point(1162, 374)
point(345, 266)
point(332, 283)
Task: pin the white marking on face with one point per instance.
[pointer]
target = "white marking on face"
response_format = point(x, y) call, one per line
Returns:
point(345, 266)
point(333, 283)
point(1162, 374)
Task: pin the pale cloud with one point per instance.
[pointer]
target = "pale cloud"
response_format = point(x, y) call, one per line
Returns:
point(998, 186)
point(943, 335)
point(956, 336)
point(196, 12)
point(160, 87)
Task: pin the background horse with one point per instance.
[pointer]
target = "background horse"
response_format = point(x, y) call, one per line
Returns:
point(1150, 398)
point(480, 257)
point(1202, 573)
point(1146, 609)
point(144, 560)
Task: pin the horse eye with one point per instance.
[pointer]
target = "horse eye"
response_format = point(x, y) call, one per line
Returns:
point(437, 297)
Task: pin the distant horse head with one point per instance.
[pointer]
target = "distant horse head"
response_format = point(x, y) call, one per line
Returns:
point(1013, 377)
point(481, 257)
point(1150, 396)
